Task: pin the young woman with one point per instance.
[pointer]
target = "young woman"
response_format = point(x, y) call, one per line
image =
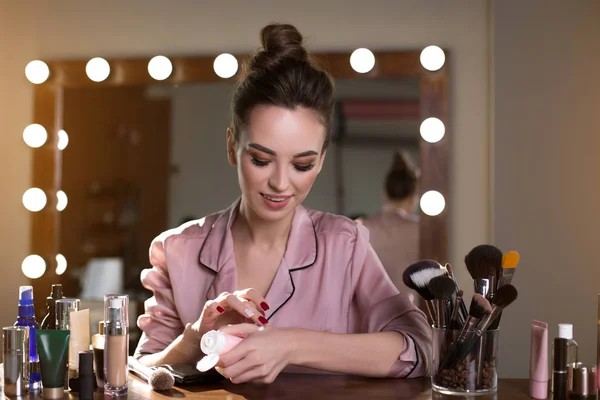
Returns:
point(303, 287)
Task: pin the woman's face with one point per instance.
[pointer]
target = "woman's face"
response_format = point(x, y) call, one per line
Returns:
point(278, 158)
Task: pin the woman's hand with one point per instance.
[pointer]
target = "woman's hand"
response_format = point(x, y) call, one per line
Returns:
point(232, 308)
point(260, 357)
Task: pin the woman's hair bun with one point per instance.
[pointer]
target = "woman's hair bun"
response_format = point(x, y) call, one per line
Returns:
point(400, 163)
point(280, 43)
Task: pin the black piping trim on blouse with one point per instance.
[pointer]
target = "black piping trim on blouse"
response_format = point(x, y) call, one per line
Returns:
point(297, 269)
point(416, 352)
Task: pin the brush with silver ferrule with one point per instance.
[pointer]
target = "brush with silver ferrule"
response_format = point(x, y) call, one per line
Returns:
point(455, 322)
point(504, 297)
point(479, 307)
point(442, 288)
point(481, 260)
point(463, 308)
point(416, 277)
point(510, 260)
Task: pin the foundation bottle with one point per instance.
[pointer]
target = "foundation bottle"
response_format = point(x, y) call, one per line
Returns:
point(116, 344)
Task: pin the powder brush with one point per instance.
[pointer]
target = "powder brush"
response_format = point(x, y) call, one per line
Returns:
point(442, 288)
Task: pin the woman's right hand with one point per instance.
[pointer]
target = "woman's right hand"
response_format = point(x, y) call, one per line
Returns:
point(241, 306)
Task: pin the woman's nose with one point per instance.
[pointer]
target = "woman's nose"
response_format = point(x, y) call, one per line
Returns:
point(279, 180)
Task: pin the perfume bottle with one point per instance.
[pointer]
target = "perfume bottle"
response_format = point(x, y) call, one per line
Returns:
point(116, 344)
point(565, 331)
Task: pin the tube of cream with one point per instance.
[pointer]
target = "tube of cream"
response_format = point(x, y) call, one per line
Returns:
point(538, 361)
point(213, 344)
point(79, 340)
point(53, 349)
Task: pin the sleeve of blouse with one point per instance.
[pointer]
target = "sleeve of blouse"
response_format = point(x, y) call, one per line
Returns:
point(377, 306)
point(160, 323)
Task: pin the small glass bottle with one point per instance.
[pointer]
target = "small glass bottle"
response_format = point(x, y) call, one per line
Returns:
point(565, 331)
point(49, 321)
point(98, 347)
point(26, 318)
point(116, 344)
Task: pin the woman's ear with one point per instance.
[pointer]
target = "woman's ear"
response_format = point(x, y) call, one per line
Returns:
point(231, 148)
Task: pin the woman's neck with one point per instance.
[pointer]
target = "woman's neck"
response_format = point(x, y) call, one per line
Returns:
point(267, 234)
point(404, 204)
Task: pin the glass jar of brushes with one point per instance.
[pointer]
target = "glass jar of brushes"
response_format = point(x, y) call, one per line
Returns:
point(465, 363)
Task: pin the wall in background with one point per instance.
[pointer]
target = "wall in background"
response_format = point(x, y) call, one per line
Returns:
point(547, 169)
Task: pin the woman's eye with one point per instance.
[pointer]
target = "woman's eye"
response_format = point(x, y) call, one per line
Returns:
point(259, 163)
point(304, 168)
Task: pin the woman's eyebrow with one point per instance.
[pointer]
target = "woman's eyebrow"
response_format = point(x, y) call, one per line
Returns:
point(271, 152)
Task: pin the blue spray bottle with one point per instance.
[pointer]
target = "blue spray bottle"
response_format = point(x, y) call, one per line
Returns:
point(27, 318)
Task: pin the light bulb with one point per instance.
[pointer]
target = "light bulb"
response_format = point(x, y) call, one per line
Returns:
point(432, 130)
point(97, 69)
point(160, 68)
point(225, 65)
point(34, 199)
point(63, 139)
point(62, 200)
point(432, 203)
point(61, 264)
point(35, 135)
point(37, 72)
point(33, 266)
point(362, 60)
point(432, 58)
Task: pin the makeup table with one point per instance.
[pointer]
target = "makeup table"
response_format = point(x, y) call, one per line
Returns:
point(315, 387)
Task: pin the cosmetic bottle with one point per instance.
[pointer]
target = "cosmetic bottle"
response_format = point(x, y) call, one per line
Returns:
point(214, 344)
point(26, 318)
point(63, 323)
point(98, 348)
point(86, 375)
point(559, 370)
point(565, 331)
point(49, 321)
point(116, 344)
point(15, 345)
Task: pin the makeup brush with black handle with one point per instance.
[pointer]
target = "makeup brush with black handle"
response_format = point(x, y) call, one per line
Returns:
point(442, 288)
point(417, 275)
point(485, 262)
point(455, 322)
point(461, 303)
point(502, 300)
point(479, 307)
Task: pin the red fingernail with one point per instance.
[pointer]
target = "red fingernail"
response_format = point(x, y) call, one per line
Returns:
point(220, 309)
point(263, 320)
point(264, 306)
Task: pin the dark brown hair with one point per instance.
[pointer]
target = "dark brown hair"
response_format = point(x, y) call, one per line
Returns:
point(282, 74)
point(401, 179)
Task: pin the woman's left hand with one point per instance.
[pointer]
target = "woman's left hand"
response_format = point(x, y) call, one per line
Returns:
point(260, 357)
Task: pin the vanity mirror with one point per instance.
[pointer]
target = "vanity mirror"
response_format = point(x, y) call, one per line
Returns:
point(135, 147)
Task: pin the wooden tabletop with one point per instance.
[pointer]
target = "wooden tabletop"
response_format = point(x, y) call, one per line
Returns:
point(315, 387)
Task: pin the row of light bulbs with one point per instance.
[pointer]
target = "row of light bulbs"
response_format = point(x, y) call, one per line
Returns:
point(225, 65)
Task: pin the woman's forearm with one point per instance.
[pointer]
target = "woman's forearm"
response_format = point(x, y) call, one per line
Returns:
point(184, 349)
point(370, 354)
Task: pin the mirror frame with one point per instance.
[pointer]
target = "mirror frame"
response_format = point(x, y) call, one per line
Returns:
point(48, 111)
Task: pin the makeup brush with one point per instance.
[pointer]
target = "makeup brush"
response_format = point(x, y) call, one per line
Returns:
point(454, 318)
point(481, 258)
point(510, 261)
point(158, 378)
point(504, 297)
point(460, 302)
point(442, 288)
point(479, 308)
point(417, 275)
